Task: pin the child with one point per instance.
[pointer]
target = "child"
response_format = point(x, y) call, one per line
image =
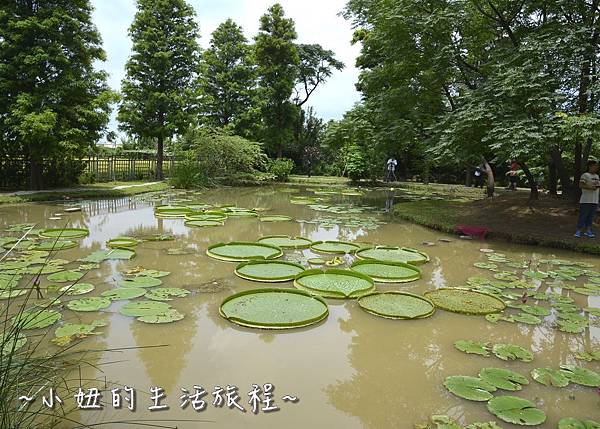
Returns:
point(588, 203)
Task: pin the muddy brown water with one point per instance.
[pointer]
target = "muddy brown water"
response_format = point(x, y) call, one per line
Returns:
point(354, 370)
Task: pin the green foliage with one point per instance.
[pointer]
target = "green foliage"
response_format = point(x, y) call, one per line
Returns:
point(160, 87)
point(356, 165)
point(280, 168)
point(53, 104)
point(186, 174)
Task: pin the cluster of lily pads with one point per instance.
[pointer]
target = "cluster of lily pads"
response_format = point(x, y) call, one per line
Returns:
point(445, 422)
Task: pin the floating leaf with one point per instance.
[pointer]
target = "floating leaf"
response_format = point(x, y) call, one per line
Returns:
point(144, 308)
point(503, 378)
point(588, 356)
point(473, 347)
point(536, 310)
point(387, 272)
point(121, 242)
point(112, 254)
point(69, 332)
point(268, 271)
point(465, 301)
point(34, 319)
point(528, 319)
point(65, 276)
point(66, 233)
point(77, 289)
point(53, 245)
point(571, 423)
point(123, 293)
point(471, 388)
point(571, 326)
point(549, 377)
point(485, 265)
point(168, 316)
point(11, 341)
point(512, 352)
point(275, 218)
point(286, 242)
point(334, 283)
point(140, 282)
point(519, 411)
point(94, 303)
point(206, 223)
point(11, 293)
point(166, 294)
point(274, 309)
point(237, 251)
point(393, 254)
point(337, 247)
point(397, 305)
point(319, 261)
point(582, 376)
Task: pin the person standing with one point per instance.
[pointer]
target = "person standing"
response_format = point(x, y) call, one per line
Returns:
point(478, 176)
point(588, 203)
point(391, 170)
point(513, 176)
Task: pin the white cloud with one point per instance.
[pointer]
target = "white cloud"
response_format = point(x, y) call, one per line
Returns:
point(317, 21)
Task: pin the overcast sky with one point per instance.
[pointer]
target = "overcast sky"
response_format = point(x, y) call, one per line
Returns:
point(317, 21)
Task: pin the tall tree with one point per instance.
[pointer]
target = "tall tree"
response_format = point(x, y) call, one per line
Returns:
point(160, 88)
point(316, 66)
point(277, 59)
point(53, 104)
point(227, 79)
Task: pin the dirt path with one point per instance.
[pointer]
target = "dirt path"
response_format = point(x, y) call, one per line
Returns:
point(80, 189)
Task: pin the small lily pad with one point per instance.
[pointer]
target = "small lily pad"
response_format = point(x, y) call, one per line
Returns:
point(144, 308)
point(53, 245)
point(94, 303)
point(10, 342)
point(34, 319)
point(77, 289)
point(581, 376)
point(237, 251)
point(65, 234)
point(65, 276)
point(471, 388)
point(571, 423)
point(473, 347)
point(549, 377)
point(206, 223)
point(140, 282)
point(512, 352)
point(337, 247)
point(275, 218)
point(112, 254)
point(122, 242)
point(168, 316)
point(123, 293)
point(166, 293)
point(503, 378)
point(513, 409)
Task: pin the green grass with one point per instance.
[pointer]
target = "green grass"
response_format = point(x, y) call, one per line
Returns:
point(99, 190)
point(318, 180)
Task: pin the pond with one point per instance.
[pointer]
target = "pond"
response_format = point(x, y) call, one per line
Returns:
point(352, 370)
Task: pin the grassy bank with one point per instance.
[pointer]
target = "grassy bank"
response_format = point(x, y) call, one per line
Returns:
point(549, 222)
point(99, 190)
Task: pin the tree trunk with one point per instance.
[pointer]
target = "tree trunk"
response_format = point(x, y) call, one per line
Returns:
point(563, 175)
point(35, 174)
point(490, 188)
point(160, 158)
point(533, 186)
point(468, 177)
point(552, 179)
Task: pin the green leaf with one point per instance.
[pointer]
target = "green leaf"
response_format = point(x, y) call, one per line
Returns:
point(396, 305)
point(471, 388)
point(123, 293)
point(168, 316)
point(512, 352)
point(166, 294)
point(34, 319)
point(77, 289)
point(582, 376)
point(465, 301)
point(334, 283)
point(144, 308)
point(140, 282)
point(519, 411)
point(503, 378)
point(88, 304)
point(65, 276)
point(473, 347)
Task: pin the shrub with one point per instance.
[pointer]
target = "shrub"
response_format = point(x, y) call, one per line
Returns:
point(187, 174)
point(281, 168)
point(356, 166)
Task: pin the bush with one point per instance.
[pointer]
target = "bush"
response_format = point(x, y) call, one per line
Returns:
point(356, 165)
point(187, 174)
point(281, 168)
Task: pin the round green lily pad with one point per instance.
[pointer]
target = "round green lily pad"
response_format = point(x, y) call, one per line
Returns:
point(274, 309)
point(549, 377)
point(166, 293)
point(337, 247)
point(472, 347)
point(471, 388)
point(581, 376)
point(121, 242)
point(11, 293)
point(334, 283)
point(65, 276)
point(512, 352)
point(286, 242)
point(268, 271)
point(77, 289)
point(237, 251)
point(275, 218)
point(144, 308)
point(10, 342)
point(122, 293)
point(397, 305)
point(317, 261)
point(571, 423)
point(503, 378)
point(387, 272)
point(140, 282)
point(168, 316)
point(171, 211)
point(214, 216)
point(65, 234)
point(465, 301)
point(206, 223)
point(53, 245)
point(394, 254)
point(94, 303)
point(34, 319)
point(513, 409)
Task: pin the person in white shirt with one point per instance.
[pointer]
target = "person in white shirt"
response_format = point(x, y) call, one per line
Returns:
point(588, 203)
point(391, 170)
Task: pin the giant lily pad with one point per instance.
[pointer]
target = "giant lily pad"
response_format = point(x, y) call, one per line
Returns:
point(140, 282)
point(503, 378)
point(465, 301)
point(94, 303)
point(169, 212)
point(397, 305)
point(65, 276)
point(122, 293)
point(144, 308)
point(286, 242)
point(519, 411)
point(549, 377)
point(77, 289)
point(275, 218)
point(512, 352)
point(581, 376)
point(34, 319)
point(471, 388)
point(274, 309)
point(237, 251)
point(65, 234)
point(105, 255)
point(53, 245)
point(122, 242)
point(337, 247)
point(334, 283)
point(168, 316)
point(394, 254)
point(473, 347)
point(268, 271)
point(166, 293)
point(203, 223)
point(387, 272)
